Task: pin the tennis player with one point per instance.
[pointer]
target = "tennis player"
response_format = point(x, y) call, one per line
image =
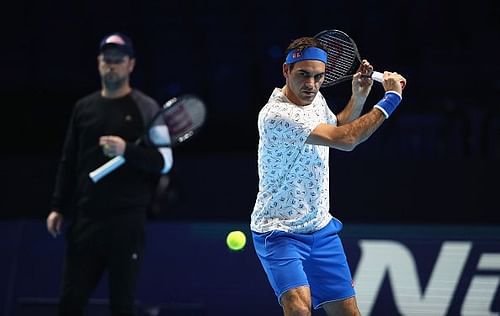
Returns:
point(295, 236)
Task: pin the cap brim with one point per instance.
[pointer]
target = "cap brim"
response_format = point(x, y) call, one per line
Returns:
point(121, 48)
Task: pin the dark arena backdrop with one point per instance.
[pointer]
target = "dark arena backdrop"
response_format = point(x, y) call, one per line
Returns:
point(419, 199)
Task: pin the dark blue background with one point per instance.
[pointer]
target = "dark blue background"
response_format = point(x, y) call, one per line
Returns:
point(435, 160)
point(188, 270)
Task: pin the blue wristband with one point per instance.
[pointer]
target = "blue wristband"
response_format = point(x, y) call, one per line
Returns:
point(389, 103)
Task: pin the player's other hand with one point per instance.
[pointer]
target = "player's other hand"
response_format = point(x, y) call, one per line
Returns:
point(394, 82)
point(362, 81)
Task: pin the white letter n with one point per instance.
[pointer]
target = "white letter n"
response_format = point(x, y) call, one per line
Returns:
point(379, 257)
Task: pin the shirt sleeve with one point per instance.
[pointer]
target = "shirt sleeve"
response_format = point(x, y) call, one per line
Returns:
point(65, 181)
point(159, 134)
point(329, 116)
point(145, 157)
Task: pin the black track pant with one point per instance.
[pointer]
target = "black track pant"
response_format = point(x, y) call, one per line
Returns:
point(114, 245)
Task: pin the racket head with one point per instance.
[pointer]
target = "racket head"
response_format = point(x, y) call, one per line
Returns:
point(342, 56)
point(178, 120)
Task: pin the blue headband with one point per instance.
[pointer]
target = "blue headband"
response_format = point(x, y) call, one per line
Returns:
point(310, 53)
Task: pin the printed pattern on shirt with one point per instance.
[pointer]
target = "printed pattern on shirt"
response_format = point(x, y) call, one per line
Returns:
point(293, 176)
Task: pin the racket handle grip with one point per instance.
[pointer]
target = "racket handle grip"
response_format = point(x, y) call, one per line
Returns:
point(378, 76)
point(107, 168)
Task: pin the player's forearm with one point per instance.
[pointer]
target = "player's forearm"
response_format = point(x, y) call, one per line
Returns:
point(366, 125)
point(360, 129)
point(352, 110)
point(363, 127)
point(348, 136)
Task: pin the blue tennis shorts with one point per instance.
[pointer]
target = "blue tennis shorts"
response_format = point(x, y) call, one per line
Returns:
point(315, 259)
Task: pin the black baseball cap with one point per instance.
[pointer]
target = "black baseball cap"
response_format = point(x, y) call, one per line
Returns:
point(119, 41)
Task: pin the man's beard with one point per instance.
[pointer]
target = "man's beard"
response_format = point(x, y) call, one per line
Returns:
point(112, 82)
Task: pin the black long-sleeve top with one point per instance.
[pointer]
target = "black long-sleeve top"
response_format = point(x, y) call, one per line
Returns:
point(128, 188)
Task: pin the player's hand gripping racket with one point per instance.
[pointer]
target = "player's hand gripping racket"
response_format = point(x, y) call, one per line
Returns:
point(343, 58)
point(183, 116)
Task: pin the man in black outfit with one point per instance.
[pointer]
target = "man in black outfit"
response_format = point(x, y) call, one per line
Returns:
point(107, 230)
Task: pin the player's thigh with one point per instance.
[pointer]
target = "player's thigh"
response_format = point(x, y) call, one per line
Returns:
point(327, 269)
point(345, 307)
point(281, 255)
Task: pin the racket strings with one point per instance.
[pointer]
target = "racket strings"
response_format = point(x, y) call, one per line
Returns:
point(340, 61)
point(183, 118)
point(342, 56)
point(178, 120)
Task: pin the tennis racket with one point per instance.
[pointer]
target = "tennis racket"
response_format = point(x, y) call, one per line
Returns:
point(183, 115)
point(343, 58)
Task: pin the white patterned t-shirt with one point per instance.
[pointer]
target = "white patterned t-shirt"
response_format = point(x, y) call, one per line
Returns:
point(293, 176)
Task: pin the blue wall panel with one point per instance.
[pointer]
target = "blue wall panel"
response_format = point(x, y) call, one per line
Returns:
point(188, 270)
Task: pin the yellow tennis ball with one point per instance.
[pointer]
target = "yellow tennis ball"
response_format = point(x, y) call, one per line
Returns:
point(236, 240)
